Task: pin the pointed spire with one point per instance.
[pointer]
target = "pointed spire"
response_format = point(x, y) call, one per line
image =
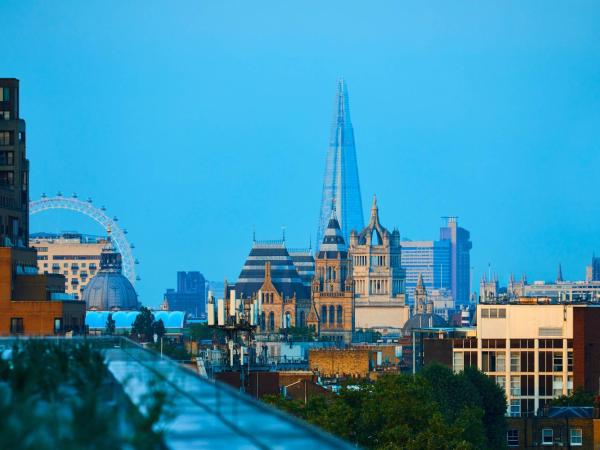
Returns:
point(374, 212)
point(559, 276)
point(341, 179)
point(420, 281)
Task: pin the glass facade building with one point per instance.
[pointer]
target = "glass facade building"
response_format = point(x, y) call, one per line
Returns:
point(460, 244)
point(431, 259)
point(341, 185)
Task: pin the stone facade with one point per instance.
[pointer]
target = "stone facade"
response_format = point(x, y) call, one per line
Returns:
point(279, 312)
point(333, 362)
point(379, 280)
point(332, 312)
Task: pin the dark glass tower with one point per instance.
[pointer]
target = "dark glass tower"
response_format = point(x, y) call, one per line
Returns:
point(341, 186)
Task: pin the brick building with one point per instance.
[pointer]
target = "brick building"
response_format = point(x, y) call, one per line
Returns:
point(31, 303)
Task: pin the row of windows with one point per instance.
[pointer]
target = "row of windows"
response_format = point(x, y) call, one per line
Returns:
point(546, 437)
point(524, 361)
point(76, 257)
point(332, 317)
point(514, 343)
point(17, 325)
point(493, 313)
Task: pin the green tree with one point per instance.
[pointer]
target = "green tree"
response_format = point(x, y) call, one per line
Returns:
point(579, 397)
point(110, 325)
point(494, 406)
point(158, 329)
point(142, 326)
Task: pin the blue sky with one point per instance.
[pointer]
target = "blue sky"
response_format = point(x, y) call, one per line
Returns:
point(196, 121)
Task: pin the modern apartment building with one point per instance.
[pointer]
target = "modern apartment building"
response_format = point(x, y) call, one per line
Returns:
point(14, 169)
point(74, 255)
point(536, 351)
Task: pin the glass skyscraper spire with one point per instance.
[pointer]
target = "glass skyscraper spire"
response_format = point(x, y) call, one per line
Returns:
point(341, 186)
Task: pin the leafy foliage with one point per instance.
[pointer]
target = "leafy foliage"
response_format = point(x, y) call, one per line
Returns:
point(436, 409)
point(201, 331)
point(110, 325)
point(57, 395)
point(579, 397)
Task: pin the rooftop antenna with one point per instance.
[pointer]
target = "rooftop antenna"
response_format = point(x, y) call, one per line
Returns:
point(283, 232)
point(253, 233)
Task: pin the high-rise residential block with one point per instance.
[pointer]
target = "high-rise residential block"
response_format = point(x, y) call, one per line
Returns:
point(341, 187)
point(14, 169)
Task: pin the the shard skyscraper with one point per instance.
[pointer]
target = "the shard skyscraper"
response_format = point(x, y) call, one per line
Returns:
point(341, 186)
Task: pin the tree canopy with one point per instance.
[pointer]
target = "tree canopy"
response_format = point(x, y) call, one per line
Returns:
point(436, 409)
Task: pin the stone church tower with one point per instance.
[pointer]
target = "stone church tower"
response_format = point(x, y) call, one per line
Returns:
point(332, 311)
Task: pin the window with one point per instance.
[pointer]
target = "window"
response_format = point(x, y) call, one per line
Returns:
point(576, 436)
point(458, 361)
point(500, 362)
point(4, 94)
point(6, 138)
point(545, 360)
point(515, 386)
point(515, 362)
point(557, 386)
point(16, 325)
point(57, 325)
point(569, 361)
point(515, 408)
point(323, 314)
point(331, 314)
point(557, 362)
point(4, 115)
point(501, 381)
point(339, 315)
point(7, 158)
point(569, 384)
point(271, 321)
point(7, 178)
point(512, 438)
point(547, 436)
point(545, 385)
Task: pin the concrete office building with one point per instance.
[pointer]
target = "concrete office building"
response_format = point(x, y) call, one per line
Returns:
point(14, 169)
point(74, 255)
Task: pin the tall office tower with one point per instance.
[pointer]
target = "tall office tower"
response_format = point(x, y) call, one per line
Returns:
point(460, 256)
point(341, 186)
point(429, 260)
point(14, 169)
point(190, 295)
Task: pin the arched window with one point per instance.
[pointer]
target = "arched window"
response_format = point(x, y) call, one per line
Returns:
point(271, 321)
point(331, 315)
point(288, 320)
point(262, 321)
point(323, 314)
point(302, 318)
point(339, 314)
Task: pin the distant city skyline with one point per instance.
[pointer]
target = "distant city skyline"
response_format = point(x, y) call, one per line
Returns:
point(212, 126)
